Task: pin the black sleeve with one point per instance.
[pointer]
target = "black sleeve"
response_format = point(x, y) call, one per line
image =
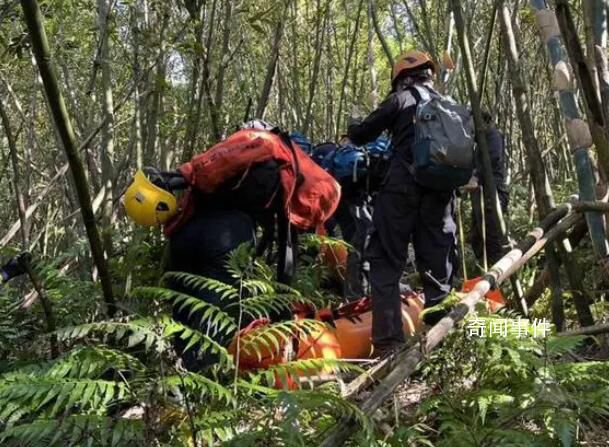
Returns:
point(494, 143)
point(379, 120)
point(495, 148)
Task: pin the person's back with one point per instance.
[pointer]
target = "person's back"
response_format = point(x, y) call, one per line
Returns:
point(405, 210)
point(396, 114)
point(484, 225)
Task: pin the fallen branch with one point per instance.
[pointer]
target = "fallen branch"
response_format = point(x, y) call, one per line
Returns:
point(598, 205)
point(588, 330)
point(405, 362)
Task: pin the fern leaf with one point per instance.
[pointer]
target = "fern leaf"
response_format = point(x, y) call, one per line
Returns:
point(201, 385)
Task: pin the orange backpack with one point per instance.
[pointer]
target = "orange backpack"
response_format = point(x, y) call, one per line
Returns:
point(310, 194)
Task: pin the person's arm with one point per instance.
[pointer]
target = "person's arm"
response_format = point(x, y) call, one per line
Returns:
point(15, 267)
point(371, 128)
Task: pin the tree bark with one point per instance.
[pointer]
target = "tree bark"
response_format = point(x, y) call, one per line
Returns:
point(319, 40)
point(578, 131)
point(227, 23)
point(107, 132)
point(541, 184)
point(379, 32)
point(35, 24)
point(21, 205)
point(343, 84)
point(270, 68)
point(586, 81)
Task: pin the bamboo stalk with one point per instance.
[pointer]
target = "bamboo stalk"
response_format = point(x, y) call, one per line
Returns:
point(587, 330)
point(396, 370)
point(40, 45)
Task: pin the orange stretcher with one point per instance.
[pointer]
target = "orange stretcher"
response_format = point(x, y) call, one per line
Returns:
point(345, 334)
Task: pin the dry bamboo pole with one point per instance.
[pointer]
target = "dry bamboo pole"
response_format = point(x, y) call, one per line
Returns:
point(588, 330)
point(396, 370)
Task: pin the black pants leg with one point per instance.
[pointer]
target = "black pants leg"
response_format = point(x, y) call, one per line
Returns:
point(435, 245)
point(395, 216)
point(404, 211)
point(355, 280)
point(201, 247)
point(494, 246)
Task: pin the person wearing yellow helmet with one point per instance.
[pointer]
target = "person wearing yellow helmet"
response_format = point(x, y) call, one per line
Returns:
point(405, 211)
point(147, 203)
point(255, 177)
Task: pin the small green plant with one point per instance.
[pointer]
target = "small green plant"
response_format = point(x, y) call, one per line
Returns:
point(508, 389)
point(120, 381)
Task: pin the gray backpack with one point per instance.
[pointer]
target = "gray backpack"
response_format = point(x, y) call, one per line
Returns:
point(443, 151)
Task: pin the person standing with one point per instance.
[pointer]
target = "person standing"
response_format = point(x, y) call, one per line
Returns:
point(405, 210)
point(486, 220)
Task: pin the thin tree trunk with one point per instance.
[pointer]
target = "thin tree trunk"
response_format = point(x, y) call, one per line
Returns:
point(587, 83)
point(577, 129)
point(107, 133)
point(374, 87)
point(540, 182)
point(487, 53)
point(379, 32)
point(270, 69)
point(319, 40)
point(35, 24)
point(206, 87)
point(228, 15)
point(343, 84)
point(21, 205)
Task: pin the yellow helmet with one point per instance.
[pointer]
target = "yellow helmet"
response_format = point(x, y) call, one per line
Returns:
point(147, 204)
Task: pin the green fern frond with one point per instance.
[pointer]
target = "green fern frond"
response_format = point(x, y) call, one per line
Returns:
point(225, 291)
point(202, 342)
point(301, 371)
point(39, 393)
point(75, 430)
point(92, 361)
point(256, 286)
point(144, 330)
point(272, 337)
point(200, 385)
point(557, 346)
point(325, 402)
point(214, 426)
point(215, 320)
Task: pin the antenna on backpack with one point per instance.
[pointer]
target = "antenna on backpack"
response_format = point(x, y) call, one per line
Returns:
point(248, 107)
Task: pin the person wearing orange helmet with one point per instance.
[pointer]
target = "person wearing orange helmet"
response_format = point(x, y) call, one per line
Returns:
point(405, 211)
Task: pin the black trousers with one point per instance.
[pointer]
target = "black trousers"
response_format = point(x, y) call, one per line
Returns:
point(201, 247)
point(406, 212)
point(354, 217)
point(494, 247)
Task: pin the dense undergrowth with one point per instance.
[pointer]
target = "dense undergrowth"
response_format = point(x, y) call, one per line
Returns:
point(120, 382)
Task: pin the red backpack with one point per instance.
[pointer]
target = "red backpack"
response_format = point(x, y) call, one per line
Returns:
point(310, 194)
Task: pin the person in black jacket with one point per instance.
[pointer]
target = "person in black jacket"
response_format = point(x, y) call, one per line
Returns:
point(496, 149)
point(405, 211)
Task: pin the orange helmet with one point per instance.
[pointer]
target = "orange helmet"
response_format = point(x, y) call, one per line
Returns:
point(410, 60)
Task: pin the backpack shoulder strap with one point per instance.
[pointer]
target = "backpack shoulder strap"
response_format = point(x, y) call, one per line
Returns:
point(423, 93)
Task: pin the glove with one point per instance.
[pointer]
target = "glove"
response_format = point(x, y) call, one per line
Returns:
point(354, 121)
point(15, 267)
point(471, 186)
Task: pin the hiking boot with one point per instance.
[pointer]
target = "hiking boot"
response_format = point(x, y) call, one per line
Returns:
point(432, 318)
point(385, 351)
